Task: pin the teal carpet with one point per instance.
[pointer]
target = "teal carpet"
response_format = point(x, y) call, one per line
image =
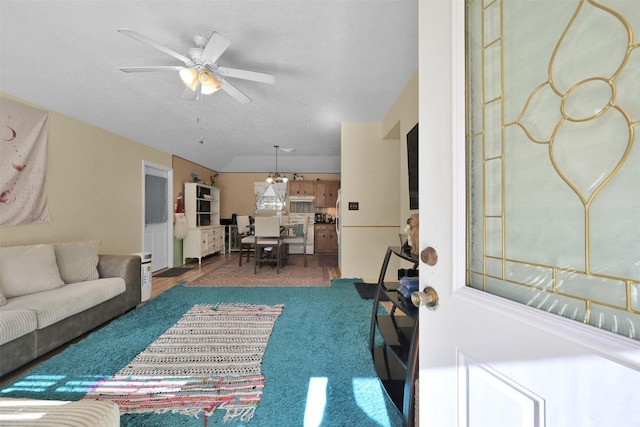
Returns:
point(317, 365)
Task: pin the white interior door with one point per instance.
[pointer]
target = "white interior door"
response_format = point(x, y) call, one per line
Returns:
point(158, 215)
point(487, 360)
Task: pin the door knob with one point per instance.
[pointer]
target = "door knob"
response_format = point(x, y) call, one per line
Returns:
point(429, 256)
point(427, 298)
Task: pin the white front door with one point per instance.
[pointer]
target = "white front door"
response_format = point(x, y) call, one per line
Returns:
point(487, 360)
point(158, 218)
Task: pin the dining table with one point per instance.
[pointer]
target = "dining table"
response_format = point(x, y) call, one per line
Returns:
point(283, 227)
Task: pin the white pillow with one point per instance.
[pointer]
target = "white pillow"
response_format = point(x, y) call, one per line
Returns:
point(26, 270)
point(77, 261)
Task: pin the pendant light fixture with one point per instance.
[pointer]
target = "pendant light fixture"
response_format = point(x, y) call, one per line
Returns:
point(276, 176)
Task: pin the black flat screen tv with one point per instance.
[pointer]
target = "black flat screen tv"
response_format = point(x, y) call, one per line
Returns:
point(412, 163)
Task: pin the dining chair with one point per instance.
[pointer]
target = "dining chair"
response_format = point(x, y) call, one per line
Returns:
point(267, 235)
point(247, 240)
point(299, 240)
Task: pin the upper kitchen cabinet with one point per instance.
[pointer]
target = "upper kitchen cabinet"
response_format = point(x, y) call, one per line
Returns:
point(321, 194)
point(327, 193)
point(301, 188)
point(332, 193)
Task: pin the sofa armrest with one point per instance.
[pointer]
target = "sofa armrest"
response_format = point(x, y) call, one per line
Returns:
point(129, 268)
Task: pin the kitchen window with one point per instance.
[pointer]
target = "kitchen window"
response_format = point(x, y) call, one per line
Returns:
point(270, 197)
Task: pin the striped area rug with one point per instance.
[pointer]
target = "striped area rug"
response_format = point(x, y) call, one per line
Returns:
point(210, 359)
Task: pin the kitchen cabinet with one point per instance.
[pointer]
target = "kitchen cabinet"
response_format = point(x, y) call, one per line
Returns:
point(326, 193)
point(332, 193)
point(302, 188)
point(325, 238)
point(332, 238)
point(295, 188)
point(321, 194)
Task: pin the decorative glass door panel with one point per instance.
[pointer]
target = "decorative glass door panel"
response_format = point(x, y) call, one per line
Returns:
point(553, 157)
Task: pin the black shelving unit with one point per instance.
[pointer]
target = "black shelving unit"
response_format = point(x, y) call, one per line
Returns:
point(396, 359)
point(203, 206)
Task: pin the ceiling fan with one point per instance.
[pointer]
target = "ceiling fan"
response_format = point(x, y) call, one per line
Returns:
point(201, 73)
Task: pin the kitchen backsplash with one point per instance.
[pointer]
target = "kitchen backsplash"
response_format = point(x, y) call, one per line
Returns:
point(330, 213)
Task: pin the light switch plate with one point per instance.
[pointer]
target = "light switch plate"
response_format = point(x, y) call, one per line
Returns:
point(354, 206)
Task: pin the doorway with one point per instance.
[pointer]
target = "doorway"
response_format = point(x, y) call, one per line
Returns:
point(157, 218)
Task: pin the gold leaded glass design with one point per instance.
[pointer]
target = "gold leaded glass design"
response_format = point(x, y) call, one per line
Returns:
point(553, 157)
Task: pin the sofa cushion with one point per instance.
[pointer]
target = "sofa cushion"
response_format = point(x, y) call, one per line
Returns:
point(16, 323)
point(28, 269)
point(32, 412)
point(77, 261)
point(52, 306)
point(3, 299)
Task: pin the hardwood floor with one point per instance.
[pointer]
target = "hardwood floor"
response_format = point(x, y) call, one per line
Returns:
point(161, 284)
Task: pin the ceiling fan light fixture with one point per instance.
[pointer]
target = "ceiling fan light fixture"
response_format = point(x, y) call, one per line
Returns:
point(189, 77)
point(209, 82)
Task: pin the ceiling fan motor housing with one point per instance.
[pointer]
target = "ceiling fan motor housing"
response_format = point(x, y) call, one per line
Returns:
point(200, 40)
point(195, 53)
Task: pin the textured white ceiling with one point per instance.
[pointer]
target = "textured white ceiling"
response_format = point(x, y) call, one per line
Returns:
point(333, 60)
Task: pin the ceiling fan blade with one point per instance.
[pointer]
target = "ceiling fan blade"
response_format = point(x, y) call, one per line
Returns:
point(215, 47)
point(152, 68)
point(235, 92)
point(148, 41)
point(246, 75)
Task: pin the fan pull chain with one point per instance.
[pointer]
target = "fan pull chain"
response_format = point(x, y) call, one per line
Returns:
point(201, 140)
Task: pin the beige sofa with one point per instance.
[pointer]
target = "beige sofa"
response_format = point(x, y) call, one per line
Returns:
point(53, 293)
point(31, 412)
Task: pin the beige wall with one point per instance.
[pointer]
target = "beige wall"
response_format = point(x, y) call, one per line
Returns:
point(400, 119)
point(182, 170)
point(94, 188)
point(370, 177)
point(374, 173)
